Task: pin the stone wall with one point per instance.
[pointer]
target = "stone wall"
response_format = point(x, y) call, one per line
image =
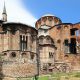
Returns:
point(12, 69)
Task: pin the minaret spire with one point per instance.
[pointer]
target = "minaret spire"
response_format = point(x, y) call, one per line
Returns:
point(4, 14)
point(4, 9)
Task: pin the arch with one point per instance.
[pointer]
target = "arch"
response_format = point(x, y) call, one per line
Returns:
point(41, 36)
point(48, 37)
point(5, 54)
point(77, 26)
point(23, 55)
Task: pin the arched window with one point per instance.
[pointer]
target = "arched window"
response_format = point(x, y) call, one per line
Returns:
point(66, 42)
point(73, 46)
point(50, 55)
point(32, 56)
point(48, 40)
point(44, 20)
point(23, 42)
point(74, 31)
point(5, 54)
point(50, 21)
point(66, 46)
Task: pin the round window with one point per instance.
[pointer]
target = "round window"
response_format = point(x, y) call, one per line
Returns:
point(13, 54)
point(5, 54)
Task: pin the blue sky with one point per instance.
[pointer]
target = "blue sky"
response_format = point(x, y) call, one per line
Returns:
point(29, 11)
point(67, 10)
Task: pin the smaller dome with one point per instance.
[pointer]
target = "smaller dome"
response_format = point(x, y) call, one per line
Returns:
point(48, 15)
point(48, 20)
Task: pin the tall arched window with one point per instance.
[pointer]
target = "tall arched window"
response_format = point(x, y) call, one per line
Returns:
point(66, 46)
point(50, 55)
point(73, 46)
point(23, 42)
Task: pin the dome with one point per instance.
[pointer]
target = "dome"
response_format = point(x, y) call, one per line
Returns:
point(48, 15)
point(48, 20)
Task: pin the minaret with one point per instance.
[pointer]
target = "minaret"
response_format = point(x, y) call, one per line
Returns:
point(4, 14)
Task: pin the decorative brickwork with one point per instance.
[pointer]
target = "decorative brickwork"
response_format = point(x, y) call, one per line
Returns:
point(25, 51)
point(65, 38)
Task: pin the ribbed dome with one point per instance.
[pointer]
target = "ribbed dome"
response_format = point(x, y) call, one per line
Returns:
point(48, 20)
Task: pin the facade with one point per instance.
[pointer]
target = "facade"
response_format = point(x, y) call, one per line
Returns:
point(56, 43)
point(59, 44)
point(18, 51)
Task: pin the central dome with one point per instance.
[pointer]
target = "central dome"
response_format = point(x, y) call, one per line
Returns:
point(48, 20)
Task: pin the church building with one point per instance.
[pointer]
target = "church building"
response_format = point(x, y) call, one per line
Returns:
point(18, 49)
point(25, 51)
point(59, 44)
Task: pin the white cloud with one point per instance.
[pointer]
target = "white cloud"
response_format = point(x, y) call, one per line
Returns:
point(16, 12)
